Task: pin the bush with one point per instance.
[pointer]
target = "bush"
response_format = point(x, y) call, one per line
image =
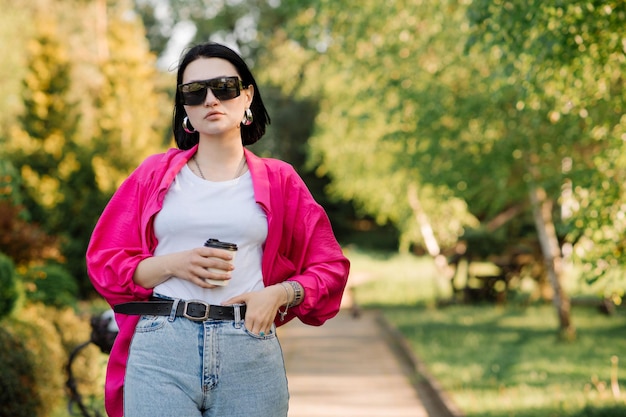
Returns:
point(41, 339)
point(50, 335)
point(21, 240)
point(90, 364)
point(52, 285)
point(8, 286)
point(18, 394)
point(610, 411)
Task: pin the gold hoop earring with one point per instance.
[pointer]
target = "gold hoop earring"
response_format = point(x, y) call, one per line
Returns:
point(186, 127)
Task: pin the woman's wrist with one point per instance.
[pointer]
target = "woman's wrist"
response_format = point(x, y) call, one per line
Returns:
point(294, 294)
point(297, 291)
point(288, 294)
point(285, 305)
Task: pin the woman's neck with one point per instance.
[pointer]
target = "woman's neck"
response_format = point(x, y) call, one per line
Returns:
point(214, 161)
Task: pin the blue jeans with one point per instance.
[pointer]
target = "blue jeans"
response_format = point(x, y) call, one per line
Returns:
point(216, 368)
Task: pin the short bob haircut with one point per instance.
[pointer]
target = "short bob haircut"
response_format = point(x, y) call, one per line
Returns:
point(249, 134)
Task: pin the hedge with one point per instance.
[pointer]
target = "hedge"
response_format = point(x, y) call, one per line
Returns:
point(8, 286)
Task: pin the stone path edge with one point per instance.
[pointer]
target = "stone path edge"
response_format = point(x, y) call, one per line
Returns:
point(427, 387)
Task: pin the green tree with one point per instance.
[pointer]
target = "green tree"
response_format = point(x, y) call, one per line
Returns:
point(367, 71)
point(69, 165)
point(15, 30)
point(505, 127)
point(20, 239)
point(40, 144)
point(51, 285)
point(44, 149)
point(560, 84)
point(131, 116)
point(246, 24)
point(509, 110)
point(125, 118)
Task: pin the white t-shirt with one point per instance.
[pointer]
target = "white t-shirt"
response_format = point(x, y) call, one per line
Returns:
point(195, 210)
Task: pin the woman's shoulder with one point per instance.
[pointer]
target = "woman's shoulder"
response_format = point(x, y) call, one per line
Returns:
point(160, 158)
point(284, 175)
point(273, 163)
point(274, 169)
point(158, 162)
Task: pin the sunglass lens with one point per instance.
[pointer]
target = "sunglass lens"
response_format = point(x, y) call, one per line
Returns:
point(224, 88)
point(194, 93)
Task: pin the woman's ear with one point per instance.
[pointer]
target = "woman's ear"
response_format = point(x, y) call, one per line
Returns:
point(249, 94)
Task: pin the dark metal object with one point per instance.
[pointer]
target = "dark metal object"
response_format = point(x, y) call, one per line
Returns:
point(103, 332)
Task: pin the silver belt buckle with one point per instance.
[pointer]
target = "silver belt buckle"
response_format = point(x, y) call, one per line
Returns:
point(207, 307)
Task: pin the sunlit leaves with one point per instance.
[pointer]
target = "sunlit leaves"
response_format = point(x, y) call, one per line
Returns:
point(371, 65)
point(89, 87)
point(128, 103)
point(565, 63)
point(466, 96)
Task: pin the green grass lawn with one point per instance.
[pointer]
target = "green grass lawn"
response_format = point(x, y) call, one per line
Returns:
point(499, 361)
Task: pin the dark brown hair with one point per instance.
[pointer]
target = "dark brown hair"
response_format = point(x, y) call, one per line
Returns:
point(249, 134)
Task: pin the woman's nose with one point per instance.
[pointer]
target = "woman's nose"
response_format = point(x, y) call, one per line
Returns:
point(210, 99)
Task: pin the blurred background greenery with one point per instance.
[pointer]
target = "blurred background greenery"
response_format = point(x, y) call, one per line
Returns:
point(500, 360)
point(477, 143)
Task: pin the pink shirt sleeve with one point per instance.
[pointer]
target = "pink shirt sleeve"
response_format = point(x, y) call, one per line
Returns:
point(301, 246)
point(117, 246)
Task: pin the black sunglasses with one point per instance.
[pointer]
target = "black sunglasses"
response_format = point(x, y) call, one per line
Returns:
point(223, 88)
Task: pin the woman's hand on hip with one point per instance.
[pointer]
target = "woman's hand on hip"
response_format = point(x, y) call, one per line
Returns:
point(261, 307)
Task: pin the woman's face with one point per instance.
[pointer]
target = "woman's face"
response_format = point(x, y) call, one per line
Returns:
point(215, 117)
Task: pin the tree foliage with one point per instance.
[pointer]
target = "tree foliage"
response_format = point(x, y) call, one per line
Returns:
point(368, 74)
point(15, 29)
point(244, 24)
point(130, 112)
point(92, 110)
point(8, 285)
point(481, 105)
point(470, 104)
point(51, 285)
point(39, 148)
point(562, 65)
point(476, 102)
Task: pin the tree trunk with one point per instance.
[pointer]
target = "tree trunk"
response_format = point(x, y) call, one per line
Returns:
point(430, 241)
point(542, 213)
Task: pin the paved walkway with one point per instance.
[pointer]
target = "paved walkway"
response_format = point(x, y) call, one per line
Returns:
point(349, 368)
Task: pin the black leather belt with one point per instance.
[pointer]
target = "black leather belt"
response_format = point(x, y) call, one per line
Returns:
point(195, 310)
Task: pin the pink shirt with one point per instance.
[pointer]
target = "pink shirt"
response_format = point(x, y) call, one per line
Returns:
point(300, 246)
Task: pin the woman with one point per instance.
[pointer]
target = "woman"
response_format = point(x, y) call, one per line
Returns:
point(197, 327)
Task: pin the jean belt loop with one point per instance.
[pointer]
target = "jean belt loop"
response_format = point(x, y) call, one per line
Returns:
point(238, 320)
point(172, 316)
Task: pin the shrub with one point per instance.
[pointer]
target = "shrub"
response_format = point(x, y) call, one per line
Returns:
point(49, 335)
point(41, 339)
point(608, 411)
point(8, 286)
point(18, 394)
point(89, 365)
point(21, 240)
point(52, 285)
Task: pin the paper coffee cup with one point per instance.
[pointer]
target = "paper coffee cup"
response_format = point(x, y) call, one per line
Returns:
point(226, 246)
